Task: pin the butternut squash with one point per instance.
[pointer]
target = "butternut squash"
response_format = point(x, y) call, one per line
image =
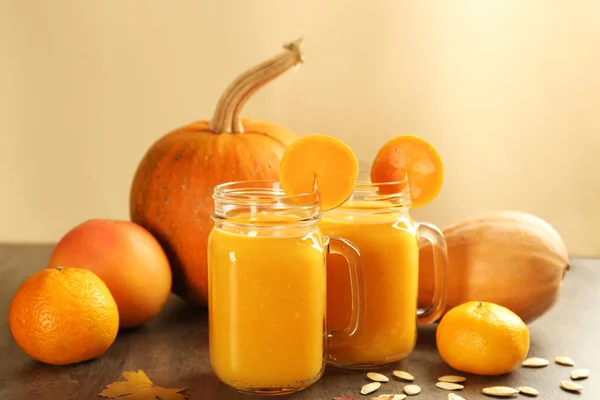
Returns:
point(511, 258)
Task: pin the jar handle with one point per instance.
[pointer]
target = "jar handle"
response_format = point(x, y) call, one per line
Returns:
point(350, 252)
point(437, 307)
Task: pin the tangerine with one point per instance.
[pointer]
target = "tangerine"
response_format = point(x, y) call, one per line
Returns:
point(63, 316)
point(482, 338)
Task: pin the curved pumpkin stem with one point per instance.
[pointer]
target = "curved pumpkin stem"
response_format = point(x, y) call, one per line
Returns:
point(226, 117)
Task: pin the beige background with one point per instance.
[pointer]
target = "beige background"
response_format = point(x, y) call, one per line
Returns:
point(508, 91)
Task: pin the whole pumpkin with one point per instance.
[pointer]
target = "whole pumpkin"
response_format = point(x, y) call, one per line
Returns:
point(511, 258)
point(171, 193)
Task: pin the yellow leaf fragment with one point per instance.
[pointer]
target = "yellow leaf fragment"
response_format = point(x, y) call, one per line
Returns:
point(138, 386)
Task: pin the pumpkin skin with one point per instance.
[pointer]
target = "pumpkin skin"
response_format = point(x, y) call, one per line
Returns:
point(171, 193)
point(510, 258)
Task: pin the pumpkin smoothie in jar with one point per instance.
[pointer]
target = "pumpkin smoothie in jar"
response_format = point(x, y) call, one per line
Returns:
point(376, 218)
point(267, 277)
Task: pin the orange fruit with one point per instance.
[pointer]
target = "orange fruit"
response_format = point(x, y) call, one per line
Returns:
point(482, 338)
point(63, 316)
point(128, 259)
point(409, 156)
point(323, 162)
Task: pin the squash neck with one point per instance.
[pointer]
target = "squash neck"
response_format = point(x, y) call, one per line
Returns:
point(226, 118)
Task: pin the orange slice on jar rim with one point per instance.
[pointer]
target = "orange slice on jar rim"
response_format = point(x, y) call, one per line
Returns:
point(319, 162)
point(409, 157)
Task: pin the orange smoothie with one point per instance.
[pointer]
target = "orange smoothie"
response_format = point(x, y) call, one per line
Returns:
point(388, 243)
point(267, 304)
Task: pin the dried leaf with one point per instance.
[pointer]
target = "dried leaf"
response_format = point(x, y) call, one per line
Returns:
point(138, 386)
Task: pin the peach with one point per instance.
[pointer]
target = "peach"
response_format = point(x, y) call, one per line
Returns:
point(127, 258)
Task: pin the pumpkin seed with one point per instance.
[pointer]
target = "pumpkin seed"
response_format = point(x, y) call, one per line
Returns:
point(535, 362)
point(564, 361)
point(389, 397)
point(412, 390)
point(528, 390)
point(399, 397)
point(449, 386)
point(452, 378)
point(580, 374)
point(370, 387)
point(454, 396)
point(404, 375)
point(500, 391)
point(571, 386)
point(377, 377)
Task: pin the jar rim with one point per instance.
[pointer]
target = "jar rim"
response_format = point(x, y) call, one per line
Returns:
point(395, 192)
point(263, 203)
point(262, 191)
point(367, 185)
point(267, 193)
point(364, 177)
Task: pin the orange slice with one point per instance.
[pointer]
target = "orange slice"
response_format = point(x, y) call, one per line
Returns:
point(413, 157)
point(322, 162)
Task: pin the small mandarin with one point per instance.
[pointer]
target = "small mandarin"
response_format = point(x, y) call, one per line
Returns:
point(482, 338)
point(63, 316)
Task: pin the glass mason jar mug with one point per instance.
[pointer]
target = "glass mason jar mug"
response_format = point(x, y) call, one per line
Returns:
point(267, 288)
point(376, 219)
